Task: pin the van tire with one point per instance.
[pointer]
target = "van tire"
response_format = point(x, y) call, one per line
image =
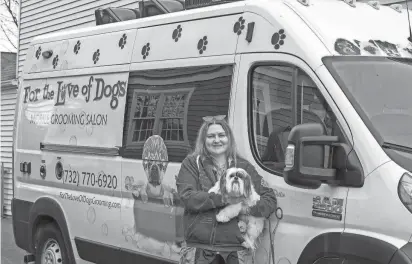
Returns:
point(49, 240)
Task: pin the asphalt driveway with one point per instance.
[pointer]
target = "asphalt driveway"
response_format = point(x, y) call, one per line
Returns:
point(10, 253)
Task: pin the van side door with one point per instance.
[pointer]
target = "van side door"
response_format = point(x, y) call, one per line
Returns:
point(281, 91)
point(164, 113)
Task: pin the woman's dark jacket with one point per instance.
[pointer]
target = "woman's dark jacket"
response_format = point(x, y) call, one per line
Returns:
point(201, 228)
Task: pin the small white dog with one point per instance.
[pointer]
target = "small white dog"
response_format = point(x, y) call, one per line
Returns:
point(237, 183)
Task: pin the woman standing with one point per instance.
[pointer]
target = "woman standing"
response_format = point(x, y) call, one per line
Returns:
point(209, 241)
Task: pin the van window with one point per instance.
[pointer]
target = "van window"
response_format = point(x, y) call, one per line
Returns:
point(283, 97)
point(171, 103)
point(389, 114)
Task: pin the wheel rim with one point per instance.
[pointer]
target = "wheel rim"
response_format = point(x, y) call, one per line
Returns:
point(51, 253)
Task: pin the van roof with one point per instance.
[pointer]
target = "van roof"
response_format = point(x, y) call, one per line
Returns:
point(361, 29)
point(366, 25)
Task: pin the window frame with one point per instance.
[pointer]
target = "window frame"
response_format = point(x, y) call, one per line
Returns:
point(294, 93)
point(158, 115)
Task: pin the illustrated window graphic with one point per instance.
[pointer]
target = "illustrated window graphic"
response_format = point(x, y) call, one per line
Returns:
point(161, 113)
point(172, 120)
point(144, 116)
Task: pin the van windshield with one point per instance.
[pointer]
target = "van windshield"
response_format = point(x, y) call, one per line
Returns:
point(380, 89)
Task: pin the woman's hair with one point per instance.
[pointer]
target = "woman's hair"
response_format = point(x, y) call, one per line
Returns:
point(200, 148)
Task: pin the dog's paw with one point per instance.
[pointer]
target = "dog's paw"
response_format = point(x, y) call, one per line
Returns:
point(249, 244)
point(144, 197)
point(168, 198)
point(246, 245)
point(242, 226)
point(136, 194)
point(222, 218)
point(215, 188)
point(167, 202)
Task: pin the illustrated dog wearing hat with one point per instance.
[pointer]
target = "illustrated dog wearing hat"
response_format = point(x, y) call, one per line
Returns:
point(155, 161)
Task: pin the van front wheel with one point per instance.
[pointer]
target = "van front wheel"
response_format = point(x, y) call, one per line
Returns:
point(50, 247)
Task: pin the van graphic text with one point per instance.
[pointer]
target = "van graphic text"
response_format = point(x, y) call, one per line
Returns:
point(100, 179)
point(68, 90)
point(88, 200)
point(82, 119)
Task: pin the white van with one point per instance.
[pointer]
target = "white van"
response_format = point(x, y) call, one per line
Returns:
point(318, 94)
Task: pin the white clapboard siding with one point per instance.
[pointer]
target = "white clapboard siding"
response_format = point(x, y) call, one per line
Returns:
point(50, 16)
point(8, 102)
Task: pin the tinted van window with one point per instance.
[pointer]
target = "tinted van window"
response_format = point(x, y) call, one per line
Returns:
point(171, 103)
point(283, 97)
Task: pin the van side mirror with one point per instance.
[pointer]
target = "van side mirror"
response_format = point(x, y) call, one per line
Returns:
point(305, 159)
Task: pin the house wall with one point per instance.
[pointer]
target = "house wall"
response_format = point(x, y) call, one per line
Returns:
point(8, 105)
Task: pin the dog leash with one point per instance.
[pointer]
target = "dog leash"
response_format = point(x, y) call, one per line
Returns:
point(279, 216)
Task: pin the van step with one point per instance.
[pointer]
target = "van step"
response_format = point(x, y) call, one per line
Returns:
point(29, 258)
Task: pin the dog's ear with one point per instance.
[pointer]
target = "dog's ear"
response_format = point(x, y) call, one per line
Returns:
point(247, 181)
point(223, 189)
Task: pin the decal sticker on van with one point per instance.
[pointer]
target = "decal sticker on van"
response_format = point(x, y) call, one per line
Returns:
point(145, 50)
point(79, 198)
point(122, 41)
point(177, 33)
point(373, 47)
point(69, 90)
point(239, 26)
point(155, 161)
point(38, 53)
point(96, 56)
point(345, 47)
point(326, 207)
point(278, 39)
point(55, 61)
point(202, 44)
point(389, 48)
point(154, 199)
point(77, 47)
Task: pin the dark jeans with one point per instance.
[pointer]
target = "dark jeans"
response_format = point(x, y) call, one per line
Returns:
point(190, 255)
point(210, 257)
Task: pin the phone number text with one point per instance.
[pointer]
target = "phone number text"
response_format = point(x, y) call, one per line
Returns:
point(100, 180)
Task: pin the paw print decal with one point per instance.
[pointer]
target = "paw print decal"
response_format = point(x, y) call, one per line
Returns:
point(408, 50)
point(55, 61)
point(370, 49)
point(96, 56)
point(345, 47)
point(177, 33)
point(239, 26)
point(201, 45)
point(38, 52)
point(77, 47)
point(122, 41)
point(278, 39)
point(145, 50)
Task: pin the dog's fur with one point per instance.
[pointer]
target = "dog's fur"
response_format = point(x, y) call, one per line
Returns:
point(237, 183)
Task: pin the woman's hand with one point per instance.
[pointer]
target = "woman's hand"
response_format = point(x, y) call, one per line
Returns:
point(245, 209)
point(232, 200)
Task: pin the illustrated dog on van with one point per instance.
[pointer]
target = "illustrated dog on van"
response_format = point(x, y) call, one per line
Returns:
point(155, 161)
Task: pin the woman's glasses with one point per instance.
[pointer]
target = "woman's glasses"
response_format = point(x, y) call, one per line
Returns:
point(214, 118)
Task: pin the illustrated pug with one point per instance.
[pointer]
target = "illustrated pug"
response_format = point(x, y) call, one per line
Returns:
point(155, 161)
